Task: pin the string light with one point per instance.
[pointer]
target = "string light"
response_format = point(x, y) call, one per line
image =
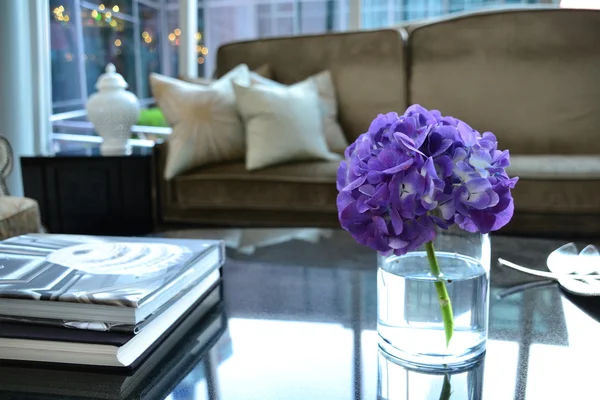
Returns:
point(116, 8)
point(148, 39)
point(200, 60)
point(145, 34)
point(101, 7)
point(198, 36)
point(58, 14)
point(108, 14)
point(199, 49)
point(177, 32)
point(171, 36)
point(94, 14)
point(205, 51)
point(113, 23)
point(118, 42)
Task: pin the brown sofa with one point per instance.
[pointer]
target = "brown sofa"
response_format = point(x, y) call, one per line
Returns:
point(530, 76)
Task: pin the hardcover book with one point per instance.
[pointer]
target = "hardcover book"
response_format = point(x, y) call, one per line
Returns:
point(154, 379)
point(98, 283)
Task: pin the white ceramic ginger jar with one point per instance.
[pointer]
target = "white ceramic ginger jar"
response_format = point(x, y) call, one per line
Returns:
point(113, 111)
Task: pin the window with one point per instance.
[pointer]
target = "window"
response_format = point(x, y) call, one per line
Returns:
point(237, 20)
point(143, 36)
point(384, 13)
point(131, 34)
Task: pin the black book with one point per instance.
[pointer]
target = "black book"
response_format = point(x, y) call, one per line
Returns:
point(154, 379)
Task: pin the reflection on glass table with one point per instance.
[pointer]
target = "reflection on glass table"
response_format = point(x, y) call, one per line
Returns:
point(397, 382)
point(301, 324)
point(73, 134)
point(65, 144)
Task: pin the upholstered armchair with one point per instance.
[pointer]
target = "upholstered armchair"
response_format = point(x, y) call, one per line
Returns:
point(18, 215)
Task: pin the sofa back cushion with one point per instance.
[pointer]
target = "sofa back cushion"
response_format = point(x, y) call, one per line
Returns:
point(368, 69)
point(532, 77)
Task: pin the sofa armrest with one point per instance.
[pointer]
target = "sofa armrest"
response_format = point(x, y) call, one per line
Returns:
point(6, 164)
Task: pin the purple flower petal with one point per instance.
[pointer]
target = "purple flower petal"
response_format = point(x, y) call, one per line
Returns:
point(467, 134)
point(367, 190)
point(342, 179)
point(361, 205)
point(355, 183)
point(444, 166)
point(396, 220)
point(465, 223)
point(380, 197)
point(484, 221)
point(460, 154)
point(448, 209)
point(352, 214)
point(396, 243)
point(406, 143)
point(503, 217)
point(478, 185)
point(374, 177)
point(380, 224)
point(478, 200)
point(344, 199)
point(413, 183)
point(440, 222)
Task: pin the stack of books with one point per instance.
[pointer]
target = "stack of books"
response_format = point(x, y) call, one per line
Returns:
point(103, 301)
point(164, 371)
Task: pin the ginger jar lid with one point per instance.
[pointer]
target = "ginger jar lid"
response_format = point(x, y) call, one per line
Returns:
point(111, 79)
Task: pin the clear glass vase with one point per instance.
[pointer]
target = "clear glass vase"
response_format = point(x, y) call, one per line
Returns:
point(409, 317)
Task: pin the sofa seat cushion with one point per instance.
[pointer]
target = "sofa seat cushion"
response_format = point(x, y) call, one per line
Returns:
point(18, 216)
point(556, 184)
point(303, 186)
point(567, 167)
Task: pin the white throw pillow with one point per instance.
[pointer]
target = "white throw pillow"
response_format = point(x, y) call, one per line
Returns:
point(336, 141)
point(206, 126)
point(283, 123)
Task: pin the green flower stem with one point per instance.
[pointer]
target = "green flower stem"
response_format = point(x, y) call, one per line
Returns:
point(446, 388)
point(442, 292)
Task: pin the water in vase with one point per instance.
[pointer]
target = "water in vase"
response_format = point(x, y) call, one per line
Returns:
point(410, 322)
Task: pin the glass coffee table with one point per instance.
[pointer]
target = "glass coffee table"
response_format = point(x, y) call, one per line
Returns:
point(300, 323)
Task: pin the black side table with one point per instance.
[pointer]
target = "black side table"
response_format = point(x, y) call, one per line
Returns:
point(93, 195)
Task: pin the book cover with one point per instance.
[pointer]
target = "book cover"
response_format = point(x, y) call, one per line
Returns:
point(113, 271)
point(56, 333)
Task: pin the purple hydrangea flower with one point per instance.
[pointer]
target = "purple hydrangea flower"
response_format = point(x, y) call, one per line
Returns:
point(411, 174)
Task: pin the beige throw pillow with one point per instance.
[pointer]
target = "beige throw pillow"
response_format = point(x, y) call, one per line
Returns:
point(336, 141)
point(204, 118)
point(264, 71)
point(283, 123)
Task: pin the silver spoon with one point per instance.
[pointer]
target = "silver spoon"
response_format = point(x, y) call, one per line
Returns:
point(545, 274)
point(577, 272)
